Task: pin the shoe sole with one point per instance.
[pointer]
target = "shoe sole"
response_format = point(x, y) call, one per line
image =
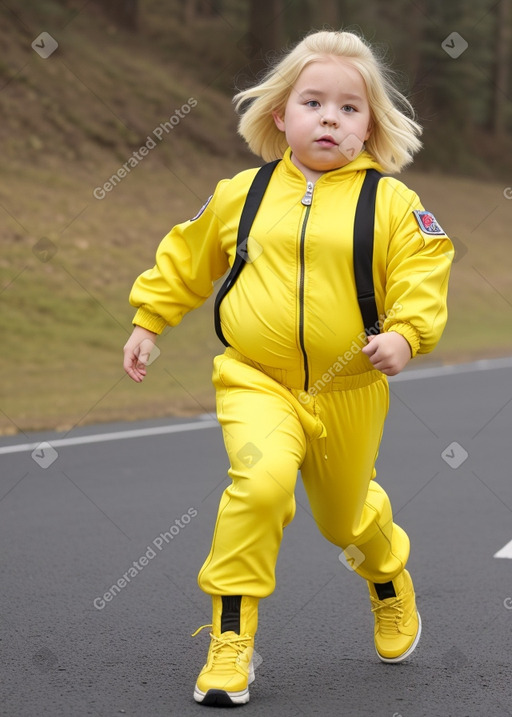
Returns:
point(403, 656)
point(222, 698)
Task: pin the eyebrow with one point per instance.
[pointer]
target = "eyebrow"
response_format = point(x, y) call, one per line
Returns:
point(346, 95)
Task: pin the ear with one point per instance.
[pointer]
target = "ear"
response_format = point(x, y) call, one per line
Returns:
point(279, 121)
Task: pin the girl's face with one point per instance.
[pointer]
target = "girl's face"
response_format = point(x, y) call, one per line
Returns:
point(327, 117)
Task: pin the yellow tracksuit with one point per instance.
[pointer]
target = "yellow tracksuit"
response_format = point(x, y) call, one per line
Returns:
point(295, 391)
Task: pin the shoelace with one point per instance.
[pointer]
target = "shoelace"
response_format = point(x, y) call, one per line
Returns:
point(238, 643)
point(199, 630)
point(389, 614)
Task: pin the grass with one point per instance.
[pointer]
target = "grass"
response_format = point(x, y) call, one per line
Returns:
point(69, 123)
point(64, 321)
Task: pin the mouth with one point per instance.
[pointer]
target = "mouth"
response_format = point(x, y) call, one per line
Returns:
point(326, 141)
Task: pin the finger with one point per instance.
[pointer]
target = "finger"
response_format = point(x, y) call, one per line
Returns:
point(390, 368)
point(135, 374)
point(370, 349)
point(378, 364)
point(127, 363)
point(379, 361)
point(132, 368)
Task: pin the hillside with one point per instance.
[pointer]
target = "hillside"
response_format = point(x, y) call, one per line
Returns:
point(104, 90)
point(73, 240)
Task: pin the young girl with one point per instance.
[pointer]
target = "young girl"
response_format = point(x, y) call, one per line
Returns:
point(302, 383)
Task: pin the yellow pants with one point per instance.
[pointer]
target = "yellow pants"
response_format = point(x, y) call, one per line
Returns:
point(271, 432)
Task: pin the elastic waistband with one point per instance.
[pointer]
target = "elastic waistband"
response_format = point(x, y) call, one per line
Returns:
point(344, 383)
point(324, 384)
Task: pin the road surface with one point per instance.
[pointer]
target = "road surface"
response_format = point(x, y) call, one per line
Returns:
point(103, 531)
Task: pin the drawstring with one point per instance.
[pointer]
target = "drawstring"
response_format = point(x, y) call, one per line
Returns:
point(317, 413)
point(310, 417)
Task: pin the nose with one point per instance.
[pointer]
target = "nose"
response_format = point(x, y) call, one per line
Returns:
point(329, 117)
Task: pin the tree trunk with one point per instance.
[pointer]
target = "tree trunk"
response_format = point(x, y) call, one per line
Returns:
point(209, 8)
point(125, 13)
point(325, 14)
point(189, 11)
point(501, 72)
point(265, 23)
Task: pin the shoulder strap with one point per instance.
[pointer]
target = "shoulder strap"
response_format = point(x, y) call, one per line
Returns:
point(251, 206)
point(364, 226)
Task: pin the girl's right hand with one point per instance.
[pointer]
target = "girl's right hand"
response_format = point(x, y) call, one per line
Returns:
point(137, 351)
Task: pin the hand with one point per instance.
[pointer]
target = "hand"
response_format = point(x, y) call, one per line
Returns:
point(389, 352)
point(136, 352)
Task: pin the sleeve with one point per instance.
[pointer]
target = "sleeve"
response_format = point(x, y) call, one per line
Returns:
point(188, 261)
point(418, 267)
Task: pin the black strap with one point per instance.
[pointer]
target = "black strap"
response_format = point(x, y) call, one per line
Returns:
point(364, 229)
point(251, 206)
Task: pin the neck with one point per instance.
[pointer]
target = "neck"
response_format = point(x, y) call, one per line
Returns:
point(311, 175)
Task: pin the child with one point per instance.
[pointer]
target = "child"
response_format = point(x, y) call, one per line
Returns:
point(300, 386)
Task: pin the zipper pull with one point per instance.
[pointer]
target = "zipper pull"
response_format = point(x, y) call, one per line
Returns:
point(308, 197)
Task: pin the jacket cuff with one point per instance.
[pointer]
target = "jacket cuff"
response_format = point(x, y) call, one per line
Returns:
point(410, 334)
point(149, 321)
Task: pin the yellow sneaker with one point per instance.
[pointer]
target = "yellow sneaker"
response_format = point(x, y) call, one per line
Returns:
point(224, 680)
point(397, 621)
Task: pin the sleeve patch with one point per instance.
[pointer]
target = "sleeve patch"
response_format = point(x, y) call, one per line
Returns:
point(428, 224)
point(202, 208)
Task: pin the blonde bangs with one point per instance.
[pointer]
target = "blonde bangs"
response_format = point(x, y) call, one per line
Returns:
point(394, 137)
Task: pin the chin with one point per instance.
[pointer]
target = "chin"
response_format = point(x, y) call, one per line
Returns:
point(332, 167)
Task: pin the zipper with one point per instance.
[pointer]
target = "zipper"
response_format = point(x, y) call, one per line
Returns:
point(308, 197)
point(306, 201)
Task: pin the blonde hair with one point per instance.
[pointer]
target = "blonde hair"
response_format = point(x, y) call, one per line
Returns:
point(394, 135)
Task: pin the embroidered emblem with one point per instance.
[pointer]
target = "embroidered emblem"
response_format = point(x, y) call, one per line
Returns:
point(428, 223)
point(202, 208)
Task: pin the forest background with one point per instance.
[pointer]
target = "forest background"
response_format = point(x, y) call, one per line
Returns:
point(83, 85)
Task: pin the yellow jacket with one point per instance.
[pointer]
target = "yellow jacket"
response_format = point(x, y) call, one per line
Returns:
point(294, 309)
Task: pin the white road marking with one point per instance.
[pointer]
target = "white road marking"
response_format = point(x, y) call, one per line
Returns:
point(450, 370)
point(206, 422)
point(113, 436)
point(505, 552)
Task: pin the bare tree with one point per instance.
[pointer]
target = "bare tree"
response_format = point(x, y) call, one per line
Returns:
point(325, 14)
point(124, 13)
point(501, 71)
point(265, 23)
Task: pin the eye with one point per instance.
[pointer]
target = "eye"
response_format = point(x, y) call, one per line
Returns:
point(313, 103)
point(348, 109)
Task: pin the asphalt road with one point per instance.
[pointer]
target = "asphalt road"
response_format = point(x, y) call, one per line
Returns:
point(71, 528)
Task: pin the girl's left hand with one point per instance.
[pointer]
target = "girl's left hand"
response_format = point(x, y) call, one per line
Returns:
point(389, 352)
